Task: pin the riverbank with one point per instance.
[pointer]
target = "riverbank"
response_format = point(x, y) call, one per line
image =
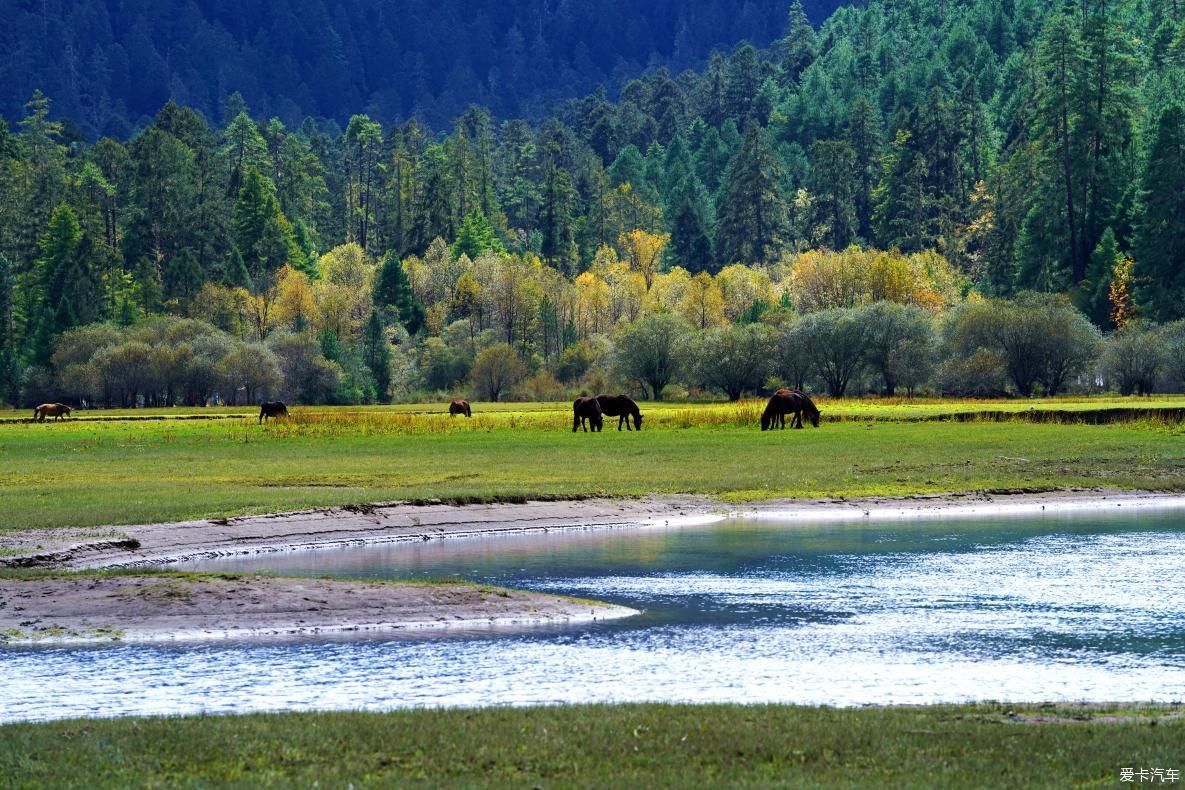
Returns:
point(156, 544)
point(610, 746)
point(190, 607)
point(89, 474)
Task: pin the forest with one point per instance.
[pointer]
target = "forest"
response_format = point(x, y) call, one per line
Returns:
point(111, 64)
point(912, 196)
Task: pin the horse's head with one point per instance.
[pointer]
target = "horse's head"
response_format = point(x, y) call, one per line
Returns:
point(66, 409)
point(765, 421)
point(637, 421)
point(815, 418)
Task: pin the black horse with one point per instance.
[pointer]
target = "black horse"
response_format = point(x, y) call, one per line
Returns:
point(623, 408)
point(272, 409)
point(586, 409)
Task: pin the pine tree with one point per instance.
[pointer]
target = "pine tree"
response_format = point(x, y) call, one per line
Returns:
point(376, 355)
point(901, 203)
point(557, 222)
point(751, 213)
point(476, 236)
point(834, 186)
point(1092, 296)
point(262, 233)
point(799, 48)
point(392, 293)
point(691, 227)
point(1159, 242)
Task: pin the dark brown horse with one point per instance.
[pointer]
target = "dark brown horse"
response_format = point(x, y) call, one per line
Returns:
point(586, 409)
point(272, 409)
point(460, 407)
point(55, 410)
point(792, 402)
point(623, 408)
point(806, 406)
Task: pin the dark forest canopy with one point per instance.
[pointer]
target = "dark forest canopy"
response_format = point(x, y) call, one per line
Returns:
point(1025, 145)
point(109, 65)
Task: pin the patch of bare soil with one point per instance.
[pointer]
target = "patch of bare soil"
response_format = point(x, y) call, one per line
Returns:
point(167, 607)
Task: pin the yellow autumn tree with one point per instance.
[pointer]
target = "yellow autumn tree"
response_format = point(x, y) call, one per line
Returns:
point(643, 251)
point(295, 307)
point(592, 305)
point(703, 303)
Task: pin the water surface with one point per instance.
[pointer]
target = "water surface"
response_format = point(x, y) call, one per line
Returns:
point(1049, 608)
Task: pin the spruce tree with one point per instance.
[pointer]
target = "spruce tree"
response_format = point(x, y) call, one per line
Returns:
point(263, 234)
point(376, 355)
point(751, 214)
point(476, 236)
point(799, 48)
point(393, 294)
point(1159, 242)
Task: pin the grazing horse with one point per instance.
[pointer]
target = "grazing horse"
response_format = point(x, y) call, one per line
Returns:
point(586, 409)
point(459, 407)
point(792, 402)
point(623, 408)
point(55, 410)
point(272, 409)
point(804, 406)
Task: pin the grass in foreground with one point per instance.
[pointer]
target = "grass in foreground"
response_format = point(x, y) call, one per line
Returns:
point(87, 473)
point(599, 746)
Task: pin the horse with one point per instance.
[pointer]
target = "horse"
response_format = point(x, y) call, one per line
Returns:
point(794, 402)
point(586, 409)
point(623, 408)
point(272, 409)
point(55, 410)
point(460, 407)
point(805, 405)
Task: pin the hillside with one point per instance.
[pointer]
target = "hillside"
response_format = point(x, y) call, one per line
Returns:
point(109, 65)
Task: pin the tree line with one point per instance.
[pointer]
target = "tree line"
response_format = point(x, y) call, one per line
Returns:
point(901, 153)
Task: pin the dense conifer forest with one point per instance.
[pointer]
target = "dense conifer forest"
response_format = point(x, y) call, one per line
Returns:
point(110, 64)
point(951, 180)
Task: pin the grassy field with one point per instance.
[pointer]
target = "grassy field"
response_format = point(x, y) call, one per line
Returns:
point(94, 471)
point(619, 746)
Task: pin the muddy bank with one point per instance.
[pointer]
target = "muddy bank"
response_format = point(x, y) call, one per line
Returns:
point(154, 544)
point(191, 607)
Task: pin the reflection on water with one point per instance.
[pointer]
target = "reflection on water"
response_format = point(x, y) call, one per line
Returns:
point(1057, 608)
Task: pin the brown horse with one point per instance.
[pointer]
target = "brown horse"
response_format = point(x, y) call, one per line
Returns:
point(793, 402)
point(586, 409)
point(806, 406)
point(460, 407)
point(55, 410)
point(623, 408)
point(272, 409)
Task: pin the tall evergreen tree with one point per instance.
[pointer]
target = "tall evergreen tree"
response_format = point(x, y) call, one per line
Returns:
point(799, 47)
point(834, 186)
point(751, 212)
point(557, 223)
point(262, 233)
point(376, 355)
point(393, 294)
point(1159, 243)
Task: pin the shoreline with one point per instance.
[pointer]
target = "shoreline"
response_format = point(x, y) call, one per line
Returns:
point(151, 545)
point(203, 607)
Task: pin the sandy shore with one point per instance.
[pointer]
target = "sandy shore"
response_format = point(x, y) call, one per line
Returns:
point(190, 607)
point(154, 544)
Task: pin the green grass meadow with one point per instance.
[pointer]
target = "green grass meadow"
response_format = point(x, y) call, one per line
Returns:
point(604, 746)
point(96, 470)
